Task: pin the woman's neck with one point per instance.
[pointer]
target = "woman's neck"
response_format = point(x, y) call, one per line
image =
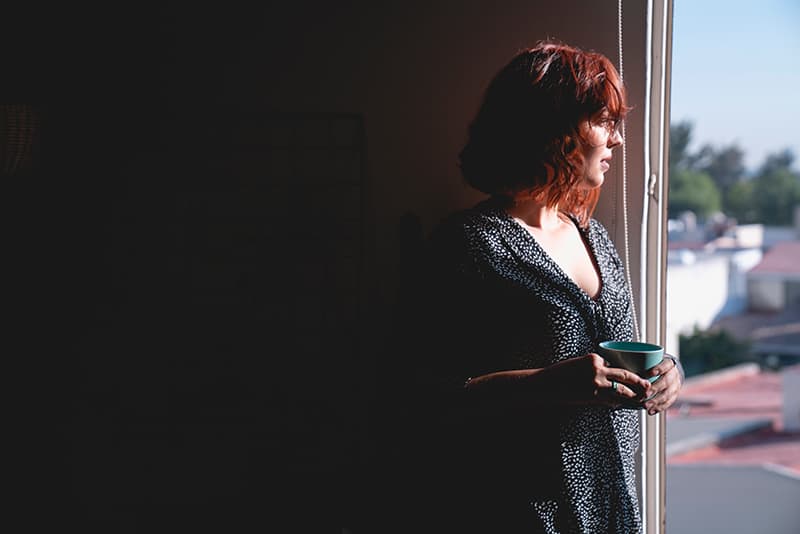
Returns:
point(535, 213)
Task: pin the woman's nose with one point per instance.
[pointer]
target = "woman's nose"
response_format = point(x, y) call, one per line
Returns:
point(615, 139)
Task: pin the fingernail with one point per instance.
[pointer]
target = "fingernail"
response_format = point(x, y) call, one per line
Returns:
point(652, 412)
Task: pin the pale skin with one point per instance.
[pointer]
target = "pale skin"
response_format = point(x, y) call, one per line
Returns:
point(586, 379)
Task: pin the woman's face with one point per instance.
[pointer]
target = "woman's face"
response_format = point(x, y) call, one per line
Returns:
point(602, 136)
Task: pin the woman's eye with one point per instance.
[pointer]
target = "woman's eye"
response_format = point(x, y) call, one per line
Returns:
point(609, 124)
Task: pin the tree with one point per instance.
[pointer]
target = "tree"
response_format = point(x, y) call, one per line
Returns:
point(725, 166)
point(740, 204)
point(713, 179)
point(775, 195)
point(692, 191)
point(680, 157)
point(698, 180)
point(680, 136)
point(708, 350)
point(777, 161)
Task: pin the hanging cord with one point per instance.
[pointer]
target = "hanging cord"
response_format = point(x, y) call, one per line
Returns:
point(625, 184)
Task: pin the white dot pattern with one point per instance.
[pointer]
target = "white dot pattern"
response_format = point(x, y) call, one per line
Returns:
point(520, 310)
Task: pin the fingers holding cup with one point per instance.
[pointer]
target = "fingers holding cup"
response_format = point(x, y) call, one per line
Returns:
point(641, 361)
point(665, 388)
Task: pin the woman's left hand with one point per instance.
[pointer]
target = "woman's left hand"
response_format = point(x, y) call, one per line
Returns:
point(664, 391)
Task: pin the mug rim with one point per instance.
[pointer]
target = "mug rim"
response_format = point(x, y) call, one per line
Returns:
point(630, 346)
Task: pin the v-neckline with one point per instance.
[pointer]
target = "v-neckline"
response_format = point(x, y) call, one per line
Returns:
point(587, 241)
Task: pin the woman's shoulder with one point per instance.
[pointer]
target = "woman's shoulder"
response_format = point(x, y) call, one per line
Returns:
point(467, 235)
point(483, 217)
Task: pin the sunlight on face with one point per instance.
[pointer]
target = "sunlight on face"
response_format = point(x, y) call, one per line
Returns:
point(601, 135)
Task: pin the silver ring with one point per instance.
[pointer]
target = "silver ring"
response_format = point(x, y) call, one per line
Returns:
point(614, 385)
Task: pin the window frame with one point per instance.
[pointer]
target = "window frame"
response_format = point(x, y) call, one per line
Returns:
point(653, 264)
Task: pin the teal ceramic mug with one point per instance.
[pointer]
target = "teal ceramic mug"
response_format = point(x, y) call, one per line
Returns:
point(632, 355)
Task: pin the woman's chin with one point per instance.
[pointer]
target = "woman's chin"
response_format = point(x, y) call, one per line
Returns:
point(592, 183)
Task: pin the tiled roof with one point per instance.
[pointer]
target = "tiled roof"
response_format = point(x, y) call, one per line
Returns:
point(782, 258)
point(743, 398)
point(686, 245)
point(765, 329)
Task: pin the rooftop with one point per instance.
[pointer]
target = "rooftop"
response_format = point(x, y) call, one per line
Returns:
point(781, 258)
point(731, 466)
point(673, 244)
point(732, 417)
point(768, 332)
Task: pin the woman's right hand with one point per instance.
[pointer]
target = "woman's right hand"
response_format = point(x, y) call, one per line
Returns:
point(590, 380)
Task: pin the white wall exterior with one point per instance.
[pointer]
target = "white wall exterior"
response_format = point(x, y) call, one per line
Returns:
point(701, 291)
point(766, 294)
point(748, 235)
point(791, 400)
point(696, 293)
point(771, 292)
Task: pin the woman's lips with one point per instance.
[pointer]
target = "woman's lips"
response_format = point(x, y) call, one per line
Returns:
point(605, 165)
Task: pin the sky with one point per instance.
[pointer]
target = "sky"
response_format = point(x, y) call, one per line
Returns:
point(736, 74)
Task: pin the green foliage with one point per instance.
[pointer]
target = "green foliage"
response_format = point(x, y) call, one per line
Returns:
point(693, 191)
point(725, 165)
point(777, 161)
point(705, 350)
point(714, 179)
point(775, 195)
point(740, 204)
point(680, 136)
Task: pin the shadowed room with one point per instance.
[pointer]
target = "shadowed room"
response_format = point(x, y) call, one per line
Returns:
point(213, 214)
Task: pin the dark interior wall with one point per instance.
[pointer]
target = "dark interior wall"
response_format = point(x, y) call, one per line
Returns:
point(207, 335)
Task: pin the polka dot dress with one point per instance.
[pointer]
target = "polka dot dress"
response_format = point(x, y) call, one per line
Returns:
point(502, 303)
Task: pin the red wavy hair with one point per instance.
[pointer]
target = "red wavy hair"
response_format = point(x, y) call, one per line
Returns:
point(526, 134)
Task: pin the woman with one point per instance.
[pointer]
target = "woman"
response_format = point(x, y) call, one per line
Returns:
point(527, 428)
